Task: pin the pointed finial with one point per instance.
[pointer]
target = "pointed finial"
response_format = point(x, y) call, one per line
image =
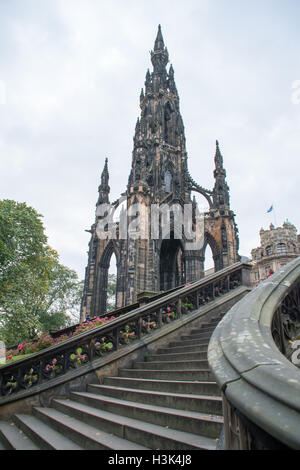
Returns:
point(171, 82)
point(218, 156)
point(148, 80)
point(148, 83)
point(159, 41)
point(105, 174)
point(159, 59)
point(104, 188)
point(137, 134)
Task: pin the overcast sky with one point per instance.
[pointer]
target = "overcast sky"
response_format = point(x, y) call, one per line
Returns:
point(71, 72)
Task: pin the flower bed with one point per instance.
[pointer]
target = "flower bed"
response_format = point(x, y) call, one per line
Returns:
point(46, 341)
point(169, 315)
point(128, 334)
point(187, 305)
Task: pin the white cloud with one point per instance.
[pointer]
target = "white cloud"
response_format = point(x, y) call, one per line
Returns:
point(73, 72)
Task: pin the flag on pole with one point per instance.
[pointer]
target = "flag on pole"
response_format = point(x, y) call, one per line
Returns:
point(271, 208)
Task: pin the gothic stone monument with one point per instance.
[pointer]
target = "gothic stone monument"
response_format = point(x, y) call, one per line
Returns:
point(159, 177)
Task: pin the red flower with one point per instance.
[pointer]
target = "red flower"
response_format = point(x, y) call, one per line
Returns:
point(9, 357)
point(20, 347)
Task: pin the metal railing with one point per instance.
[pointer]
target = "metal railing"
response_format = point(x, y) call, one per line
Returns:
point(250, 356)
point(75, 356)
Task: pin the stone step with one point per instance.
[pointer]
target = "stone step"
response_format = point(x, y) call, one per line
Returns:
point(200, 334)
point(177, 386)
point(192, 342)
point(201, 337)
point(208, 425)
point(199, 403)
point(13, 438)
point(208, 324)
point(211, 324)
point(134, 430)
point(183, 374)
point(84, 434)
point(202, 330)
point(217, 318)
point(43, 435)
point(182, 349)
point(172, 365)
point(178, 356)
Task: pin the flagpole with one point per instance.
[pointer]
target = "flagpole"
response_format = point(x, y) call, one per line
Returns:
point(274, 217)
point(273, 210)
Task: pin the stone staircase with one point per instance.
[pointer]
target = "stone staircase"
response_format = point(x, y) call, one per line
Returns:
point(169, 401)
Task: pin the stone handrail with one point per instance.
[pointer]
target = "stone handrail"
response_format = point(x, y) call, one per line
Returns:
point(77, 355)
point(260, 386)
point(115, 313)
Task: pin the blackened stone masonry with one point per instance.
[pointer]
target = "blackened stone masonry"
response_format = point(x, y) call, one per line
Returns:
point(159, 175)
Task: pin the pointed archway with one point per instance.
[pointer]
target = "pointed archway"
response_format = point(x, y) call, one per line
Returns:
point(208, 262)
point(171, 264)
point(100, 305)
point(216, 254)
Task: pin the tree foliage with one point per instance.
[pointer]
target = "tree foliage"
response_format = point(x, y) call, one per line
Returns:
point(111, 292)
point(36, 291)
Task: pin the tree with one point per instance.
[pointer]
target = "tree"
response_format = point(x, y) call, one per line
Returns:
point(22, 238)
point(111, 292)
point(62, 301)
point(25, 262)
point(35, 290)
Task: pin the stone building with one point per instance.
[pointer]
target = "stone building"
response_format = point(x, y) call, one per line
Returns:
point(159, 178)
point(278, 246)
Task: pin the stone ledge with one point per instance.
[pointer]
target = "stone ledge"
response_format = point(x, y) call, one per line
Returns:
point(244, 357)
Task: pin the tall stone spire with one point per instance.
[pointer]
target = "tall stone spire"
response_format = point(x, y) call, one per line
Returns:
point(221, 189)
point(159, 44)
point(104, 188)
point(159, 140)
point(159, 59)
point(218, 158)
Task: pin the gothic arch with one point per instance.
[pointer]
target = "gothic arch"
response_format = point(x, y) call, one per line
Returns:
point(110, 248)
point(215, 249)
point(171, 263)
point(204, 193)
point(102, 276)
point(169, 166)
point(168, 179)
point(168, 104)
